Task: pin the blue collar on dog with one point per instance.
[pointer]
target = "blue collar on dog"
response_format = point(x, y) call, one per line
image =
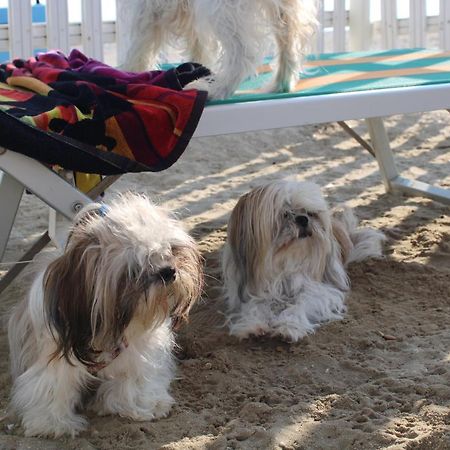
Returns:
point(103, 210)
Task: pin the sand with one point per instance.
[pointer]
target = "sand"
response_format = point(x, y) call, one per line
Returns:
point(378, 379)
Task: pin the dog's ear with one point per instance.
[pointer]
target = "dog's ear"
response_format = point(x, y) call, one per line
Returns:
point(83, 217)
point(341, 247)
point(188, 285)
point(342, 237)
point(250, 235)
point(88, 303)
point(68, 297)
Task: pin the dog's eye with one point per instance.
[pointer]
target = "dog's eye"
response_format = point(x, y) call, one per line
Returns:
point(312, 215)
point(287, 215)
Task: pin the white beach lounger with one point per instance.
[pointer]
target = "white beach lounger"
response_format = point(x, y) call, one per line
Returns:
point(336, 87)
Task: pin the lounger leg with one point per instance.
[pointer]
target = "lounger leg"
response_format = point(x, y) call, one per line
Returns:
point(20, 171)
point(383, 151)
point(58, 227)
point(393, 182)
point(10, 195)
point(44, 183)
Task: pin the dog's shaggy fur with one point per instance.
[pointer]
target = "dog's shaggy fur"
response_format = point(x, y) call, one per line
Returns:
point(227, 36)
point(285, 257)
point(101, 315)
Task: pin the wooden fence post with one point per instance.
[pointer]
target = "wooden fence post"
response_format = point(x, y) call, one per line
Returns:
point(360, 29)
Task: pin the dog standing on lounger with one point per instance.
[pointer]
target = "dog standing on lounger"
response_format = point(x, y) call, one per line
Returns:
point(285, 258)
point(227, 36)
point(101, 315)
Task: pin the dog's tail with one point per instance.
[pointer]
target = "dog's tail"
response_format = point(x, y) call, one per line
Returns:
point(367, 242)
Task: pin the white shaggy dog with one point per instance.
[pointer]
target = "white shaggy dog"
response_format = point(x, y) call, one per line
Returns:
point(227, 36)
point(285, 257)
point(99, 318)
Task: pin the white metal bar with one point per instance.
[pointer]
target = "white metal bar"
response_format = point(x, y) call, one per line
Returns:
point(360, 29)
point(15, 270)
point(418, 188)
point(59, 234)
point(58, 25)
point(268, 114)
point(58, 228)
point(10, 195)
point(91, 28)
point(389, 174)
point(417, 23)
point(20, 35)
point(339, 23)
point(44, 183)
point(389, 23)
point(383, 151)
point(444, 16)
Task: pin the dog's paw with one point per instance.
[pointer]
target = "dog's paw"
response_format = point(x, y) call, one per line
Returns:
point(54, 427)
point(150, 411)
point(142, 409)
point(219, 90)
point(279, 85)
point(163, 407)
point(202, 84)
point(249, 330)
point(290, 333)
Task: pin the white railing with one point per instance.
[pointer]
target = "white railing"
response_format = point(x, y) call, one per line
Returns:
point(341, 29)
point(20, 36)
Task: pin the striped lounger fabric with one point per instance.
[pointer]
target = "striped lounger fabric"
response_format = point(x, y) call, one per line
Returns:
point(356, 71)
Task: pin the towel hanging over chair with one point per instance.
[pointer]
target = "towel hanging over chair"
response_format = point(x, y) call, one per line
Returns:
point(84, 115)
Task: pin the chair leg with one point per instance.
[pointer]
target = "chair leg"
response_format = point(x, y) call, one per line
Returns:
point(10, 195)
point(392, 181)
point(12, 273)
point(21, 171)
point(44, 183)
point(383, 151)
point(58, 225)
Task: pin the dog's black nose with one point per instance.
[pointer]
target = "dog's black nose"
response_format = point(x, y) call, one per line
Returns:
point(302, 220)
point(167, 274)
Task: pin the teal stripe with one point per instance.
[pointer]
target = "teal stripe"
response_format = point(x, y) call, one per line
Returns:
point(418, 60)
point(354, 86)
point(378, 83)
point(374, 66)
point(365, 54)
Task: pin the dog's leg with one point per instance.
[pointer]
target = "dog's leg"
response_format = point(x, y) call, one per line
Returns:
point(46, 396)
point(251, 320)
point(143, 35)
point(315, 304)
point(288, 57)
point(137, 382)
point(294, 25)
point(240, 54)
point(141, 57)
point(197, 51)
point(236, 65)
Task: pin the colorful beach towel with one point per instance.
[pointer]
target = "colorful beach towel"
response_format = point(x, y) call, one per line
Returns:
point(87, 116)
